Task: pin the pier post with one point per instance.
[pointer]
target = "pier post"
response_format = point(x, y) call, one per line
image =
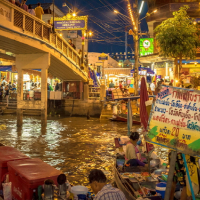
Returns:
point(19, 117)
point(86, 92)
point(102, 92)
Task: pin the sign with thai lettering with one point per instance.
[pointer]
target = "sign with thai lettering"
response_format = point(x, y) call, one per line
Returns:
point(175, 120)
point(103, 57)
point(146, 46)
point(70, 22)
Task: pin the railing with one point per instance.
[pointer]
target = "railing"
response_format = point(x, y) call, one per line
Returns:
point(33, 26)
point(94, 93)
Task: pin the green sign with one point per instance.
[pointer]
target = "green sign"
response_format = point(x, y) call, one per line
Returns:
point(146, 46)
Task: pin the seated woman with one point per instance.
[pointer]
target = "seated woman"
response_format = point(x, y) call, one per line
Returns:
point(132, 155)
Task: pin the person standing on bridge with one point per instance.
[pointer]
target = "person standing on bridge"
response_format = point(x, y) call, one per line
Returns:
point(72, 45)
point(39, 11)
point(24, 6)
point(30, 10)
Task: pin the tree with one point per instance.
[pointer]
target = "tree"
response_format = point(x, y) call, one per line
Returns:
point(178, 37)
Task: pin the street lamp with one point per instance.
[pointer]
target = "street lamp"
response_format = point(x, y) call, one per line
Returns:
point(65, 5)
point(90, 33)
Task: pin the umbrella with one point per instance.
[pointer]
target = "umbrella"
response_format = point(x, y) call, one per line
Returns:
point(129, 118)
point(143, 110)
point(143, 98)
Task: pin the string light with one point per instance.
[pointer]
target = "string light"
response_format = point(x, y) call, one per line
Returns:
point(131, 14)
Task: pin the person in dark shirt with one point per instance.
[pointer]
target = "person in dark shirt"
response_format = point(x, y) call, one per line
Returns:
point(57, 86)
point(7, 94)
point(72, 45)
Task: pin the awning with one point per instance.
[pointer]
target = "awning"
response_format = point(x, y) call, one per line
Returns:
point(117, 71)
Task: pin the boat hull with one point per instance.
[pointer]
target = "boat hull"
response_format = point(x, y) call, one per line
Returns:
point(123, 119)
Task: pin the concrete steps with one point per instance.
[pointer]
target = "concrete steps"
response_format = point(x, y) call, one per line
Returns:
point(12, 108)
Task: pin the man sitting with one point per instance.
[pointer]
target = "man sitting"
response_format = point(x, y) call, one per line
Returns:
point(102, 190)
point(111, 85)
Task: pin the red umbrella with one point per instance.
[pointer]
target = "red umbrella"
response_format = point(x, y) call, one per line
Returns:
point(144, 117)
point(143, 98)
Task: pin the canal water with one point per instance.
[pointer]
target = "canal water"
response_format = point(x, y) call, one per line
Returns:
point(72, 145)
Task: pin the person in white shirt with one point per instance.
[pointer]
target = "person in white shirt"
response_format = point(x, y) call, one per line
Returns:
point(30, 10)
point(153, 86)
point(4, 81)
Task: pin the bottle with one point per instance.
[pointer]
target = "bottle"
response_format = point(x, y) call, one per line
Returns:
point(89, 197)
point(164, 166)
point(34, 197)
point(71, 197)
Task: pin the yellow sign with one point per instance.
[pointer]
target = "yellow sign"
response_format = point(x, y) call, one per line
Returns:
point(175, 120)
point(103, 57)
point(70, 22)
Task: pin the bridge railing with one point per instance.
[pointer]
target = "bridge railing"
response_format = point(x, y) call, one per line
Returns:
point(33, 26)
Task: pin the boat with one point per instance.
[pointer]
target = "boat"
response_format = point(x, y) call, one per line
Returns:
point(134, 181)
point(123, 118)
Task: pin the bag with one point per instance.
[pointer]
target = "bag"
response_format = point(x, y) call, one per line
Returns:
point(7, 192)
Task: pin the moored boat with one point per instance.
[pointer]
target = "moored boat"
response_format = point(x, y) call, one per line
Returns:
point(135, 181)
point(123, 118)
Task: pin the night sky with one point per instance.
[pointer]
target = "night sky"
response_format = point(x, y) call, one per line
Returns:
point(108, 28)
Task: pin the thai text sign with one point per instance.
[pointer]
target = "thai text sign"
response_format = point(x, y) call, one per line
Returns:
point(103, 57)
point(69, 24)
point(175, 120)
point(146, 46)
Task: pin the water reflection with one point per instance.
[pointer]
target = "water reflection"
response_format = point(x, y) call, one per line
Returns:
point(73, 145)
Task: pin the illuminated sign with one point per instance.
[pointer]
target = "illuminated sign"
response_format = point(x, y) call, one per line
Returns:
point(174, 120)
point(70, 22)
point(103, 57)
point(146, 46)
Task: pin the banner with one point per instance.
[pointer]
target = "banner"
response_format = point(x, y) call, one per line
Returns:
point(174, 121)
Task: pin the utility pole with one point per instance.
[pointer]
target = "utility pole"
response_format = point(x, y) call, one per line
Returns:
point(134, 16)
point(53, 16)
point(136, 44)
point(83, 48)
point(126, 35)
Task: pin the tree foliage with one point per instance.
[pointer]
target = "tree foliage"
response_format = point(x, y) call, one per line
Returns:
point(178, 36)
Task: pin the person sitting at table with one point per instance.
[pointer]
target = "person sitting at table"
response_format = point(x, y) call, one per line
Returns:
point(111, 85)
point(121, 86)
point(132, 155)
